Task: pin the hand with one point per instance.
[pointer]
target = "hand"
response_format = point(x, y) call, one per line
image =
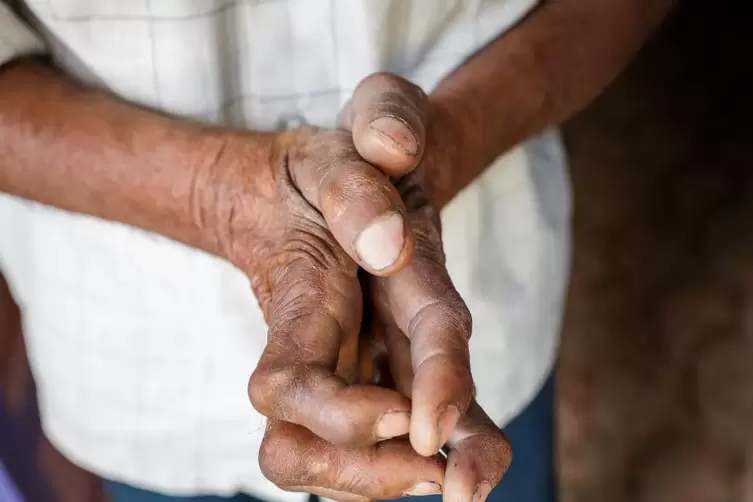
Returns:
point(319, 214)
point(428, 308)
point(479, 453)
point(294, 211)
point(307, 281)
point(321, 199)
point(420, 299)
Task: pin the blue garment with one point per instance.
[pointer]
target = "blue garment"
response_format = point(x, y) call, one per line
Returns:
point(530, 477)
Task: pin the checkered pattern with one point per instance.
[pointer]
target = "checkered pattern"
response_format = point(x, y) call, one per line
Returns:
point(142, 347)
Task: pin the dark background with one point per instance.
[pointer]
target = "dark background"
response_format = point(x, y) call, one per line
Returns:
point(656, 371)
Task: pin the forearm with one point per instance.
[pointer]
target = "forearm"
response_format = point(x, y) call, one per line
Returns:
point(548, 67)
point(80, 150)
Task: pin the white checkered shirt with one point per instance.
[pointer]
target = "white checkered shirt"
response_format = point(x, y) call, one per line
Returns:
point(142, 347)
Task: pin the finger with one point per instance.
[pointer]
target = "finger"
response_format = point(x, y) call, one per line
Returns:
point(479, 452)
point(479, 455)
point(426, 307)
point(295, 459)
point(315, 310)
point(399, 359)
point(362, 208)
point(387, 116)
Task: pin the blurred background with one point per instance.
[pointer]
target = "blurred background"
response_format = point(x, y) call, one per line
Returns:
point(656, 368)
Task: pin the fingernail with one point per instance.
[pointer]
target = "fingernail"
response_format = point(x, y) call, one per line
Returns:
point(396, 132)
point(425, 488)
point(393, 424)
point(447, 423)
point(482, 491)
point(382, 241)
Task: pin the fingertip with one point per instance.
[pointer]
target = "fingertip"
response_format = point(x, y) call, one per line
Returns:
point(480, 454)
point(424, 437)
point(446, 424)
point(463, 481)
point(390, 144)
point(396, 133)
point(424, 488)
point(383, 244)
point(392, 424)
point(380, 243)
point(387, 116)
point(366, 216)
point(428, 434)
point(441, 392)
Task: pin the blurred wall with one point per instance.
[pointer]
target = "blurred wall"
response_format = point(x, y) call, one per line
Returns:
point(656, 375)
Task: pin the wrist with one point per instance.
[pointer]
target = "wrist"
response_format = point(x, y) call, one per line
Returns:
point(445, 154)
point(232, 185)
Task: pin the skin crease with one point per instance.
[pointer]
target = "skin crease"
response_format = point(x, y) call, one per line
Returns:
point(255, 199)
point(262, 201)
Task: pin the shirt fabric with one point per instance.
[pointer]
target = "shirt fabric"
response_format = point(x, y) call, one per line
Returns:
point(142, 347)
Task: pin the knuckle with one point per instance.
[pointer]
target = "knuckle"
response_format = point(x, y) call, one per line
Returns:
point(395, 83)
point(329, 146)
point(505, 455)
point(499, 451)
point(352, 186)
point(358, 481)
point(489, 454)
point(288, 459)
point(494, 445)
point(266, 385)
point(258, 392)
point(450, 312)
point(381, 77)
point(334, 191)
point(456, 314)
point(462, 315)
point(280, 457)
point(303, 260)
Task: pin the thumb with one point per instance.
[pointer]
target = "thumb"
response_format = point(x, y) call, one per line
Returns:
point(387, 117)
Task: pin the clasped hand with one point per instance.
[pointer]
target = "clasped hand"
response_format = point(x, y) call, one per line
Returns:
point(340, 423)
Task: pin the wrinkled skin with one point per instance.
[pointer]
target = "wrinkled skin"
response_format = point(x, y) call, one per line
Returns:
point(331, 431)
point(284, 209)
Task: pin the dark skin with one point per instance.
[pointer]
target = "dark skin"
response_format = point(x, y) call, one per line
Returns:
point(534, 76)
point(286, 209)
point(289, 209)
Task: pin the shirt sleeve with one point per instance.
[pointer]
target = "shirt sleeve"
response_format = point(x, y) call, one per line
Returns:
point(17, 39)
